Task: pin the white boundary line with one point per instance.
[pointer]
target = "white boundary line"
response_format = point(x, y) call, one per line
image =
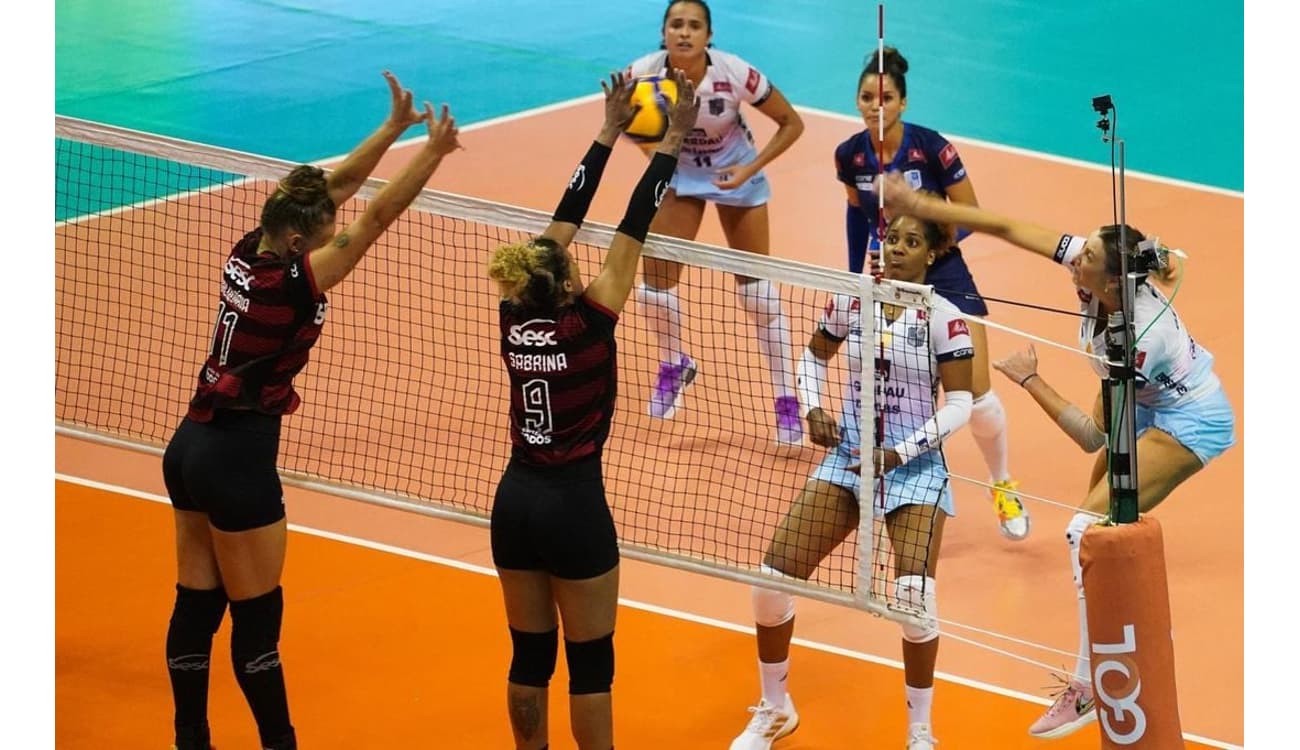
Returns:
point(629, 603)
point(841, 117)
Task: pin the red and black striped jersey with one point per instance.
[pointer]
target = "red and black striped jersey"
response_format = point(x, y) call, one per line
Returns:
point(563, 379)
point(269, 316)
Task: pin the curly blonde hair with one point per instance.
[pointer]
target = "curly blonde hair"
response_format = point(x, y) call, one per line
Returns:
point(531, 273)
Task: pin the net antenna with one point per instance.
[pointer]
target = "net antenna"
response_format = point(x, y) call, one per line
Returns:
point(1119, 390)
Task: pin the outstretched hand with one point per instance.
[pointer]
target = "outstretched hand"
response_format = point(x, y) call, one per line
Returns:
point(900, 198)
point(681, 116)
point(403, 113)
point(1019, 366)
point(443, 133)
point(619, 107)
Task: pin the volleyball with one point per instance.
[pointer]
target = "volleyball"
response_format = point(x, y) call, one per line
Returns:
point(654, 94)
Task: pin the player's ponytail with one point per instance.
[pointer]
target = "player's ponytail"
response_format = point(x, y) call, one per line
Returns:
point(531, 274)
point(895, 68)
point(301, 202)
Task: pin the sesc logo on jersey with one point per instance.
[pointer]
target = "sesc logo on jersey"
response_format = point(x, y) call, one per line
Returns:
point(523, 335)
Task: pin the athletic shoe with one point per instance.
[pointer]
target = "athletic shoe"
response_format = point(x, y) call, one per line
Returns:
point(1072, 709)
point(919, 738)
point(671, 384)
point(789, 427)
point(1013, 519)
point(768, 725)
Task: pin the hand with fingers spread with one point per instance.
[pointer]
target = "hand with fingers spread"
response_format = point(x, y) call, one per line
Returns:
point(443, 133)
point(681, 116)
point(619, 107)
point(403, 114)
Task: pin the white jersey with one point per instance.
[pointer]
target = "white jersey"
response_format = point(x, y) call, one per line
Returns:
point(907, 356)
point(720, 139)
point(1172, 367)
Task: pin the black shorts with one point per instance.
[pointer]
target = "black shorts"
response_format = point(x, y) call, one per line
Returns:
point(951, 278)
point(226, 468)
point(554, 519)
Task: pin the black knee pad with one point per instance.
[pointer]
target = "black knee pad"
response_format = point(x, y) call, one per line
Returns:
point(533, 661)
point(198, 611)
point(255, 631)
point(591, 665)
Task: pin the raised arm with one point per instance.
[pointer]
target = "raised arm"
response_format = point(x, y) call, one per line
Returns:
point(611, 287)
point(347, 178)
point(1084, 430)
point(901, 198)
point(332, 263)
point(572, 209)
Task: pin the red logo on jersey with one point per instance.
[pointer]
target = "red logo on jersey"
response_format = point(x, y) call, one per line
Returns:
point(948, 155)
point(916, 154)
point(721, 86)
point(751, 81)
point(860, 159)
point(957, 328)
point(1140, 359)
point(921, 315)
point(830, 307)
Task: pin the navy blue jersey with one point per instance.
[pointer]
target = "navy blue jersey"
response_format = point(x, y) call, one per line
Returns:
point(269, 316)
point(925, 158)
point(563, 379)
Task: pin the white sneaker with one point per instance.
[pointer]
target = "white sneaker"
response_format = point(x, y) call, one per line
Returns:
point(919, 738)
point(768, 725)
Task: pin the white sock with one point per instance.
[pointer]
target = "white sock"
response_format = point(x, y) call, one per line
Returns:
point(988, 424)
point(762, 303)
point(665, 314)
point(918, 704)
point(773, 677)
point(1074, 537)
point(1083, 664)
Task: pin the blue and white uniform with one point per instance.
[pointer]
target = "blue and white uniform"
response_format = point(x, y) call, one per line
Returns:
point(1177, 390)
point(721, 140)
point(906, 385)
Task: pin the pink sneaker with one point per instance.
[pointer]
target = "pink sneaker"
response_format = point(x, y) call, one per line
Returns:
point(1072, 710)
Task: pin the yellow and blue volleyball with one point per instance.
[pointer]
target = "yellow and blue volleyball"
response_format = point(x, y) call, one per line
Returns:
point(656, 95)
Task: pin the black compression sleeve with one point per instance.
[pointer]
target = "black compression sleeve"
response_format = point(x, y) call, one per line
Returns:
point(582, 186)
point(647, 196)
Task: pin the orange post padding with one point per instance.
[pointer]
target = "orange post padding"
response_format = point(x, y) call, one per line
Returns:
point(1129, 629)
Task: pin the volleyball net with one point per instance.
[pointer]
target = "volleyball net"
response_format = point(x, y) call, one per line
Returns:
point(405, 396)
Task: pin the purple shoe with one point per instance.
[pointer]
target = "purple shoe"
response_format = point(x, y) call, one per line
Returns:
point(670, 386)
point(789, 427)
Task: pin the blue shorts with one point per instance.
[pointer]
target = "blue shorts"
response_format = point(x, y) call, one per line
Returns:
point(1204, 427)
point(951, 278)
point(921, 481)
point(698, 183)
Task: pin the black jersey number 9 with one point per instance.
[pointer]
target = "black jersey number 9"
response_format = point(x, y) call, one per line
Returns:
point(223, 333)
point(537, 406)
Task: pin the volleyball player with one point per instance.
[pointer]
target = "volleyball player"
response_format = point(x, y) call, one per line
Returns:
point(718, 164)
point(553, 538)
point(929, 162)
point(919, 351)
point(220, 464)
point(1184, 419)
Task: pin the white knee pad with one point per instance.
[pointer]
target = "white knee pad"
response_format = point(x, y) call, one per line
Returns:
point(1080, 523)
point(918, 591)
point(759, 300)
point(772, 608)
point(987, 415)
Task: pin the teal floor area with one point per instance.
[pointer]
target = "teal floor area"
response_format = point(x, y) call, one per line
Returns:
point(300, 80)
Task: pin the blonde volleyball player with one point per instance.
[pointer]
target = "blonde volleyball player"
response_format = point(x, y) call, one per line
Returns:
point(553, 539)
point(718, 164)
point(919, 350)
point(1184, 419)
